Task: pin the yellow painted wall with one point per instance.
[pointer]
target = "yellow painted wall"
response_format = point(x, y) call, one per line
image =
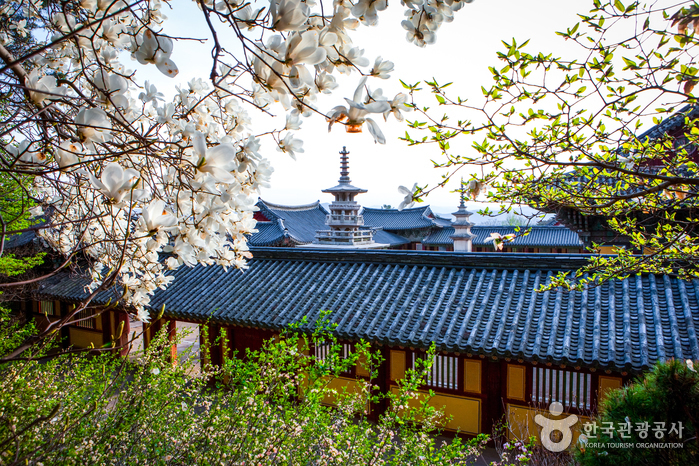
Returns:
point(465, 412)
point(397, 365)
point(522, 425)
point(472, 376)
point(516, 382)
point(81, 338)
point(342, 385)
point(362, 366)
point(606, 384)
point(607, 249)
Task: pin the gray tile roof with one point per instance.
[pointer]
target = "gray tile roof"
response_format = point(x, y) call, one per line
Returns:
point(300, 222)
point(268, 233)
point(540, 236)
point(671, 123)
point(397, 220)
point(385, 237)
point(480, 303)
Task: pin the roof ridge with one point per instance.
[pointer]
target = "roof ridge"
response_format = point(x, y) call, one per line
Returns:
point(270, 205)
point(411, 209)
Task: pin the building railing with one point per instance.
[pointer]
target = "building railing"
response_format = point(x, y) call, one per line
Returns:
point(344, 237)
point(333, 219)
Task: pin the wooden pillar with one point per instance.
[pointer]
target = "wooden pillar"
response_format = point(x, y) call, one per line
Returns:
point(494, 391)
point(123, 341)
point(172, 336)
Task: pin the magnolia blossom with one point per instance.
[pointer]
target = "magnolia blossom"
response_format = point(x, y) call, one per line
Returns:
point(218, 161)
point(154, 216)
point(290, 145)
point(475, 187)
point(157, 50)
point(43, 88)
point(67, 154)
point(409, 198)
point(133, 178)
point(420, 34)
point(356, 114)
point(367, 10)
point(382, 68)
point(93, 125)
point(288, 15)
point(115, 182)
point(499, 240)
point(24, 153)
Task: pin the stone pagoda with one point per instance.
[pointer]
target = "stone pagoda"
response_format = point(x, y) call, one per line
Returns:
point(463, 238)
point(344, 220)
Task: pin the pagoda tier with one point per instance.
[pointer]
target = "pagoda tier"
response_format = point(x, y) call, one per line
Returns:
point(463, 238)
point(344, 219)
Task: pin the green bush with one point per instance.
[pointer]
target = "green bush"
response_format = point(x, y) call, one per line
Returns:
point(669, 393)
point(267, 409)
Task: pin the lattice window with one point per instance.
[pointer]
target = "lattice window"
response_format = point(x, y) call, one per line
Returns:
point(47, 308)
point(444, 372)
point(322, 352)
point(87, 323)
point(572, 389)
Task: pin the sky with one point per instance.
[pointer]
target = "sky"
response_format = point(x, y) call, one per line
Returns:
point(462, 54)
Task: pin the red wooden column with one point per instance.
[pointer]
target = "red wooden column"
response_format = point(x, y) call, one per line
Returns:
point(172, 336)
point(123, 341)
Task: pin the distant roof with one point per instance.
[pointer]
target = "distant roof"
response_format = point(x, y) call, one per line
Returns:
point(298, 223)
point(482, 303)
point(539, 236)
point(396, 220)
point(24, 238)
point(671, 123)
point(385, 237)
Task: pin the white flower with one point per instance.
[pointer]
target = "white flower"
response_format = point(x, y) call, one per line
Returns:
point(157, 50)
point(44, 88)
point(67, 154)
point(290, 145)
point(184, 252)
point(248, 16)
point(367, 10)
point(326, 83)
point(20, 27)
point(293, 121)
point(359, 108)
point(421, 36)
point(218, 161)
point(24, 153)
point(382, 68)
point(154, 216)
point(115, 182)
point(409, 194)
point(112, 88)
point(690, 365)
point(475, 187)
point(398, 104)
point(289, 15)
point(93, 125)
point(151, 94)
point(155, 371)
point(499, 240)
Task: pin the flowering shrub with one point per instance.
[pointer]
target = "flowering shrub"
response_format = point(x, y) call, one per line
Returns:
point(106, 410)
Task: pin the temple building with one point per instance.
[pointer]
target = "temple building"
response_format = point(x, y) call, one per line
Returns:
point(346, 223)
point(505, 346)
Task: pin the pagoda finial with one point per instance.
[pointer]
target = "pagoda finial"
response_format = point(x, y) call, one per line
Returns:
point(344, 166)
point(462, 194)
